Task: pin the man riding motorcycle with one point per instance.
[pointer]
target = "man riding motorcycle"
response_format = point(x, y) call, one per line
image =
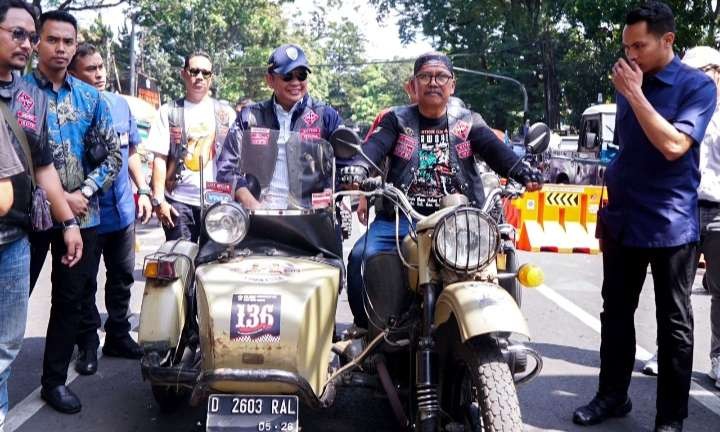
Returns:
point(290, 109)
point(430, 147)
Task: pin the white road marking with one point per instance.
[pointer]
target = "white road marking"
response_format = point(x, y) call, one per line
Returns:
point(706, 398)
point(28, 407)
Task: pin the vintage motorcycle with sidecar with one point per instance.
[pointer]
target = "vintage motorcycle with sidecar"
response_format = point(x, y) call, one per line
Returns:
point(246, 319)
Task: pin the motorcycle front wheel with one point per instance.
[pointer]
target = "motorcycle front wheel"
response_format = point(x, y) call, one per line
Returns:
point(481, 389)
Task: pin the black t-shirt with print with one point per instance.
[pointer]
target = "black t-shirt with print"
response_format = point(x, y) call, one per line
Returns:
point(435, 177)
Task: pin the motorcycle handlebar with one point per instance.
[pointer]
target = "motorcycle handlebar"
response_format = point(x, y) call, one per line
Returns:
point(375, 187)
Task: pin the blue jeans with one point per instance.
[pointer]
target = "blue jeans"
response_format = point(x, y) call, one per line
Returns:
point(380, 238)
point(14, 293)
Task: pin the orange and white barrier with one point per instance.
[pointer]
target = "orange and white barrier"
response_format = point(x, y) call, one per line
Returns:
point(559, 218)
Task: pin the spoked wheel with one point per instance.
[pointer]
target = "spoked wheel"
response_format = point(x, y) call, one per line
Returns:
point(479, 393)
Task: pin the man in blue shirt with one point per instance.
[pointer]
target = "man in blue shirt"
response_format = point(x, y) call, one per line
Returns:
point(87, 157)
point(116, 229)
point(663, 109)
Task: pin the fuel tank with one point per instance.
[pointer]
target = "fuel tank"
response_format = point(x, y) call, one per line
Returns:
point(267, 313)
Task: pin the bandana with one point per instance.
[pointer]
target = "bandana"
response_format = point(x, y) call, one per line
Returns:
point(433, 57)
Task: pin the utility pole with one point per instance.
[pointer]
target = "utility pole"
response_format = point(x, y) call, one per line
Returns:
point(133, 66)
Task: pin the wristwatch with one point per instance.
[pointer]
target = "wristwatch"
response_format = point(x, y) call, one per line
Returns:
point(144, 191)
point(67, 224)
point(154, 202)
point(87, 191)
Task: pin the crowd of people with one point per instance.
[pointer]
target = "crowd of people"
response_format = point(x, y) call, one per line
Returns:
point(70, 143)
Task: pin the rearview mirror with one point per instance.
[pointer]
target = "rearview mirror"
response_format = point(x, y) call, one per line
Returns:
point(345, 143)
point(537, 138)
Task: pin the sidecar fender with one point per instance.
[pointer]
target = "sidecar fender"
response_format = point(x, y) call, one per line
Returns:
point(162, 315)
point(480, 308)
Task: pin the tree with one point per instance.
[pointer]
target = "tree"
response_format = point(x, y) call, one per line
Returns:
point(562, 51)
point(231, 31)
point(77, 5)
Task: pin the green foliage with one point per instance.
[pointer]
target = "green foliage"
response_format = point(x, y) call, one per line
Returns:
point(233, 32)
point(562, 51)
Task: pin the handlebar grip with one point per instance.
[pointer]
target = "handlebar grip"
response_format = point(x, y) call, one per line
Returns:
point(370, 184)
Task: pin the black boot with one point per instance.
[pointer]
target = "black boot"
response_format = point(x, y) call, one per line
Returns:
point(600, 409)
point(87, 361)
point(124, 346)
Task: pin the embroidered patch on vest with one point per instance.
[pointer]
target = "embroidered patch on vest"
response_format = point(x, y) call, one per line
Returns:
point(259, 136)
point(310, 118)
point(26, 120)
point(464, 150)
point(26, 101)
point(461, 129)
point(405, 147)
point(310, 133)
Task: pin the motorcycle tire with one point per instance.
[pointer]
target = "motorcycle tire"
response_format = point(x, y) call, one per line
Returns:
point(511, 285)
point(169, 398)
point(482, 391)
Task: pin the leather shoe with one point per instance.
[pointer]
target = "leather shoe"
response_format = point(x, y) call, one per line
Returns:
point(600, 409)
point(124, 347)
point(86, 362)
point(669, 427)
point(62, 399)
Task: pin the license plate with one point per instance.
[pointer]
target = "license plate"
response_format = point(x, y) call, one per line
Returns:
point(244, 413)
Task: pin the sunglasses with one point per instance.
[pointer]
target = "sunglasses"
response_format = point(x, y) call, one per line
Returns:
point(301, 76)
point(196, 71)
point(20, 35)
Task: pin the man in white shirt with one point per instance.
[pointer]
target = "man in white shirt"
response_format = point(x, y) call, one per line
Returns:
point(708, 60)
point(187, 137)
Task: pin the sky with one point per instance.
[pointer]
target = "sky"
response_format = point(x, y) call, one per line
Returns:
point(383, 39)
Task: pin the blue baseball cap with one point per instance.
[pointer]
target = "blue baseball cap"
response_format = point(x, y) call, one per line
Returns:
point(286, 59)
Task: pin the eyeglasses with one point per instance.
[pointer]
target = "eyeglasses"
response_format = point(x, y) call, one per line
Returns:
point(300, 75)
point(20, 35)
point(196, 71)
point(440, 79)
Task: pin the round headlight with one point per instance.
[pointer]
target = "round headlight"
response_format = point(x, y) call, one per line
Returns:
point(226, 223)
point(466, 240)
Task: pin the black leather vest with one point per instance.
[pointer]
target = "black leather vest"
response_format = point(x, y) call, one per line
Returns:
point(259, 155)
point(178, 137)
point(404, 160)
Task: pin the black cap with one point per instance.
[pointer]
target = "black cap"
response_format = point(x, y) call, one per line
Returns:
point(433, 57)
point(286, 59)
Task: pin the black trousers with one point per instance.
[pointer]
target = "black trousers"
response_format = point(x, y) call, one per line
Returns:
point(187, 223)
point(118, 251)
point(673, 271)
point(70, 290)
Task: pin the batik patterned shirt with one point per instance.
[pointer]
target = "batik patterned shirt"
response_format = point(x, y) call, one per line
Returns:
point(79, 117)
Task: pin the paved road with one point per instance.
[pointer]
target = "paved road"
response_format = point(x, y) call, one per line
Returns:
point(562, 316)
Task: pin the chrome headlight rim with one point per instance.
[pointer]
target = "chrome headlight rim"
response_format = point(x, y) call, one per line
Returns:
point(239, 211)
point(493, 236)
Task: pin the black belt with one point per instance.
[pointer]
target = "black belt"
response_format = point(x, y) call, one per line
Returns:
point(708, 204)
